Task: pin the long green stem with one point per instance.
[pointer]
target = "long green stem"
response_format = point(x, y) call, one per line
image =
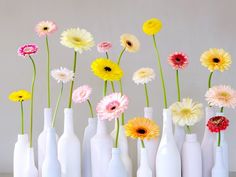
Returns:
point(209, 80)
point(177, 83)
point(121, 87)
point(117, 132)
point(22, 118)
point(48, 72)
point(222, 109)
point(72, 82)
point(121, 91)
point(32, 102)
point(161, 72)
point(57, 105)
point(105, 88)
point(146, 94)
point(219, 139)
point(121, 54)
point(91, 109)
point(142, 143)
point(112, 86)
point(188, 129)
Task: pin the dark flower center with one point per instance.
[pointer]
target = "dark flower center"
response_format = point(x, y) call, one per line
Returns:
point(141, 131)
point(129, 43)
point(114, 107)
point(45, 28)
point(107, 69)
point(20, 96)
point(216, 60)
point(178, 59)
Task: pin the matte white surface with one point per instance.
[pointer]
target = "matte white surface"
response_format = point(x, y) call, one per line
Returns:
point(189, 26)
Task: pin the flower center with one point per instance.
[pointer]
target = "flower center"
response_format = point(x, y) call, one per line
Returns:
point(45, 28)
point(28, 49)
point(107, 68)
point(224, 96)
point(178, 59)
point(129, 43)
point(216, 60)
point(185, 112)
point(141, 131)
point(20, 96)
point(112, 106)
point(77, 39)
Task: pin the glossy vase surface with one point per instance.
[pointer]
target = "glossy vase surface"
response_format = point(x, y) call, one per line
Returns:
point(144, 169)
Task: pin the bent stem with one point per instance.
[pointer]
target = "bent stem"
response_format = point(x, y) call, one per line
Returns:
point(161, 72)
point(72, 82)
point(146, 94)
point(177, 83)
point(57, 105)
point(142, 143)
point(209, 80)
point(117, 132)
point(48, 72)
point(22, 118)
point(91, 108)
point(121, 54)
point(219, 139)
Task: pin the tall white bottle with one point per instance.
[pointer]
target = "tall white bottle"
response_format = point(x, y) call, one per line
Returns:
point(144, 169)
point(30, 170)
point(219, 169)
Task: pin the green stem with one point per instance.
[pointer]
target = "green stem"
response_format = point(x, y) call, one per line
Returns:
point(112, 86)
point(57, 105)
point(219, 139)
point(121, 91)
point(22, 118)
point(107, 55)
point(177, 83)
point(209, 80)
point(121, 54)
point(142, 143)
point(161, 72)
point(121, 87)
point(48, 72)
point(32, 102)
point(72, 82)
point(188, 129)
point(91, 108)
point(105, 88)
point(146, 93)
point(222, 109)
point(117, 132)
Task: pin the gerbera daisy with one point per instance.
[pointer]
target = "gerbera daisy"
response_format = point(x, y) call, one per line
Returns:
point(221, 96)
point(104, 47)
point(78, 39)
point(81, 94)
point(143, 75)
point(112, 106)
point(152, 26)
point(178, 60)
point(19, 96)
point(187, 112)
point(27, 50)
point(62, 75)
point(216, 59)
point(44, 28)
point(129, 42)
point(106, 69)
point(217, 123)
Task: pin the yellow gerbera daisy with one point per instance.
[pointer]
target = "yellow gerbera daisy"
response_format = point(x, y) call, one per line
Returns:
point(216, 59)
point(130, 42)
point(106, 69)
point(78, 39)
point(152, 26)
point(142, 128)
point(19, 96)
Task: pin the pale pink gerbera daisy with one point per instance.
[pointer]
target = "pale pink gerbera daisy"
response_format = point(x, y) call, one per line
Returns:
point(104, 47)
point(178, 60)
point(112, 106)
point(27, 50)
point(221, 96)
point(44, 28)
point(81, 94)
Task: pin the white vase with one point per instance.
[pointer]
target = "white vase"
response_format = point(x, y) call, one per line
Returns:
point(191, 157)
point(116, 167)
point(89, 132)
point(101, 147)
point(144, 169)
point(179, 135)
point(51, 166)
point(207, 145)
point(20, 155)
point(151, 146)
point(30, 170)
point(42, 139)
point(69, 148)
point(219, 169)
point(168, 163)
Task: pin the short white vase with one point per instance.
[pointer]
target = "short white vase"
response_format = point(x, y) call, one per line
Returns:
point(30, 170)
point(116, 167)
point(69, 148)
point(191, 157)
point(101, 147)
point(144, 169)
point(168, 163)
point(51, 166)
point(219, 169)
point(20, 155)
point(207, 145)
point(89, 132)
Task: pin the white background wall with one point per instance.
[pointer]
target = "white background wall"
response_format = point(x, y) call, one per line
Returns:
point(189, 26)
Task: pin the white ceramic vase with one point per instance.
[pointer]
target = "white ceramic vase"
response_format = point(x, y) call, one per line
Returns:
point(30, 170)
point(20, 155)
point(168, 163)
point(144, 169)
point(179, 135)
point(42, 139)
point(219, 169)
point(51, 166)
point(207, 145)
point(191, 157)
point(151, 146)
point(101, 147)
point(116, 167)
point(69, 148)
point(89, 132)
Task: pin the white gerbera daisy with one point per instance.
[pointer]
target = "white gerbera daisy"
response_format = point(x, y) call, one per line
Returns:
point(143, 75)
point(63, 75)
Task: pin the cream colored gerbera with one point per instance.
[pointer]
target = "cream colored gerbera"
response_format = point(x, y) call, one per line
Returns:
point(63, 75)
point(187, 112)
point(129, 42)
point(143, 75)
point(78, 39)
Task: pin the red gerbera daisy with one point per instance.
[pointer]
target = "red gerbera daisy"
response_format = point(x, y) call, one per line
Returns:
point(217, 123)
point(27, 50)
point(178, 60)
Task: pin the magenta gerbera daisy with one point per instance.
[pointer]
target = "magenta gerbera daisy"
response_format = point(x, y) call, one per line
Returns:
point(27, 50)
point(112, 106)
point(44, 28)
point(178, 60)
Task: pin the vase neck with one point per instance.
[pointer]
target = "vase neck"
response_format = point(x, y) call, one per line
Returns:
point(101, 127)
point(148, 112)
point(209, 113)
point(30, 157)
point(143, 157)
point(191, 138)
point(92, 122)
point(51, 146)
point(219, 157)
point(47, 118)
point(68, 121)
point(167, 124)
point(115, 153)
point(23, 138)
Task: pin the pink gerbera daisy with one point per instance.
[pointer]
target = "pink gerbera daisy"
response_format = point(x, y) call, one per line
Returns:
point(178, 60)
point(112, 106)
point(104, 47)
point(27, 50)
point(81, 94)
point(44, 28)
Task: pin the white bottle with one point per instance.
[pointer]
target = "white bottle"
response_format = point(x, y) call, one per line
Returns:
point(30, 170)
point(219, 169)
point(144, 169)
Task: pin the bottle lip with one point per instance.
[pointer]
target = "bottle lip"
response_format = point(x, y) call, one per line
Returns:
point(92, 120)
point(191, 137)
point(23, 136)
point(68, 110)
point(115, 150)
point(47, 109)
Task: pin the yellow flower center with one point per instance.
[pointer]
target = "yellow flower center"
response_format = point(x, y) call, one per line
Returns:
point(186, 112)
point(77, 39)
point(224, 96)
